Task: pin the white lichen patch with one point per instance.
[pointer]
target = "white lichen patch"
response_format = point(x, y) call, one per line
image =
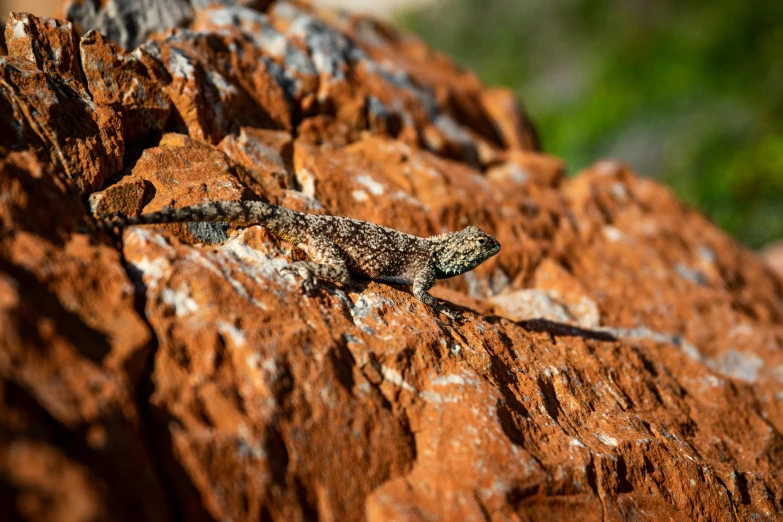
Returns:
point(306, 181)
point(224, 272)
point(606, 439)
point(181, 65)
point(144, 235)
point(94, 201)
point(452, 129)
point(371, 184)
point(224, 88)
point(549, 305)
point(134, 92)
point(256, 263)
point(56, 55)
point(152, 271)
point(446, 380)
point(533, 304)
point(736, 364)
point(691, 274)
point(272, 42)
point(707, 255)
point(399, 195)
point(613, 234)
point(270, 366)
point(509, 171)
point(732, 363)
point(417, 165)
point(19, 25)
point(235, 255)
point(450, 388)
point(394, 377)
point(586, 312)
point(436, 398)
point(711, 381)
point(619, 191)
point(644, 333)
point(247, 445)
point(180, 300)
point(236, 335)
point(312, 203)
point(360, 195)
point(366, 306)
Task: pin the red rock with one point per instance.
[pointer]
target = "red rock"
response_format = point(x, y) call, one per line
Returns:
point(241, 335)
point(125, 197)
point(73, 352)
point(128, 22)
point(773, 255)
point(44, 104)
point(261, 42)
point(3, 49)
point(620, 357)
point(208, 99)
point(45, 42)
point(178, 172)
point(265, 155)
point(507, 116)
point(129, 83)
point(519, 167)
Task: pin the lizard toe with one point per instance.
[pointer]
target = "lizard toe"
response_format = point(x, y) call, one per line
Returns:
point(299, 269)
point(454, 315)
point(308, 285)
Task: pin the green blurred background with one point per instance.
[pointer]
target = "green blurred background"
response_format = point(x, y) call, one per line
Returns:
point(688, 92)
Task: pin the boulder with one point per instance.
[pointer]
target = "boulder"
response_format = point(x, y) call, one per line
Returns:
point(621, 358)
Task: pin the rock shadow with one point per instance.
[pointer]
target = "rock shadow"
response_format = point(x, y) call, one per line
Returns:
point(556, 329)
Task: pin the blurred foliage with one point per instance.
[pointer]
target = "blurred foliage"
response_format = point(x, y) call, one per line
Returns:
point(686, 91)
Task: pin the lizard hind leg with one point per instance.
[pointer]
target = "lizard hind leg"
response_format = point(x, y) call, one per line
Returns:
point(310, 271)
point(328, 262)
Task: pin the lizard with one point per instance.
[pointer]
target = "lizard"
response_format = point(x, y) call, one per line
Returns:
point(342, 248)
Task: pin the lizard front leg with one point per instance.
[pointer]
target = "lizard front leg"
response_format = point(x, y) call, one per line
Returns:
point(423, 281)
point(328, 262)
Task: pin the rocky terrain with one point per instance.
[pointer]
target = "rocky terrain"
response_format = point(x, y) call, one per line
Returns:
point(621, 358)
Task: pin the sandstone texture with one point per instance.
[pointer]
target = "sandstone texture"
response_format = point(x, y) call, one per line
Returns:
point(621, 358)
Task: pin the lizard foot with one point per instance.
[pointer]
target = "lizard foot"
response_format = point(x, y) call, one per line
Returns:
point(454, 315)
point(300, 268)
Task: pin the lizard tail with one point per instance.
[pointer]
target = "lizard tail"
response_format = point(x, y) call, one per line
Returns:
point(248, 211)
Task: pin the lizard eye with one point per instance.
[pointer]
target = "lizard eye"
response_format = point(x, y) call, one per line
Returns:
point(481, 241)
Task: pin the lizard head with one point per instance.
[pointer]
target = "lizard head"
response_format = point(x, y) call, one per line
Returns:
point(460, 252)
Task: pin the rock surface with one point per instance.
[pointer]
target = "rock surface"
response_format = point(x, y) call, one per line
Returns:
point(621, 358)
point(773, 255)
point(44, 105)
